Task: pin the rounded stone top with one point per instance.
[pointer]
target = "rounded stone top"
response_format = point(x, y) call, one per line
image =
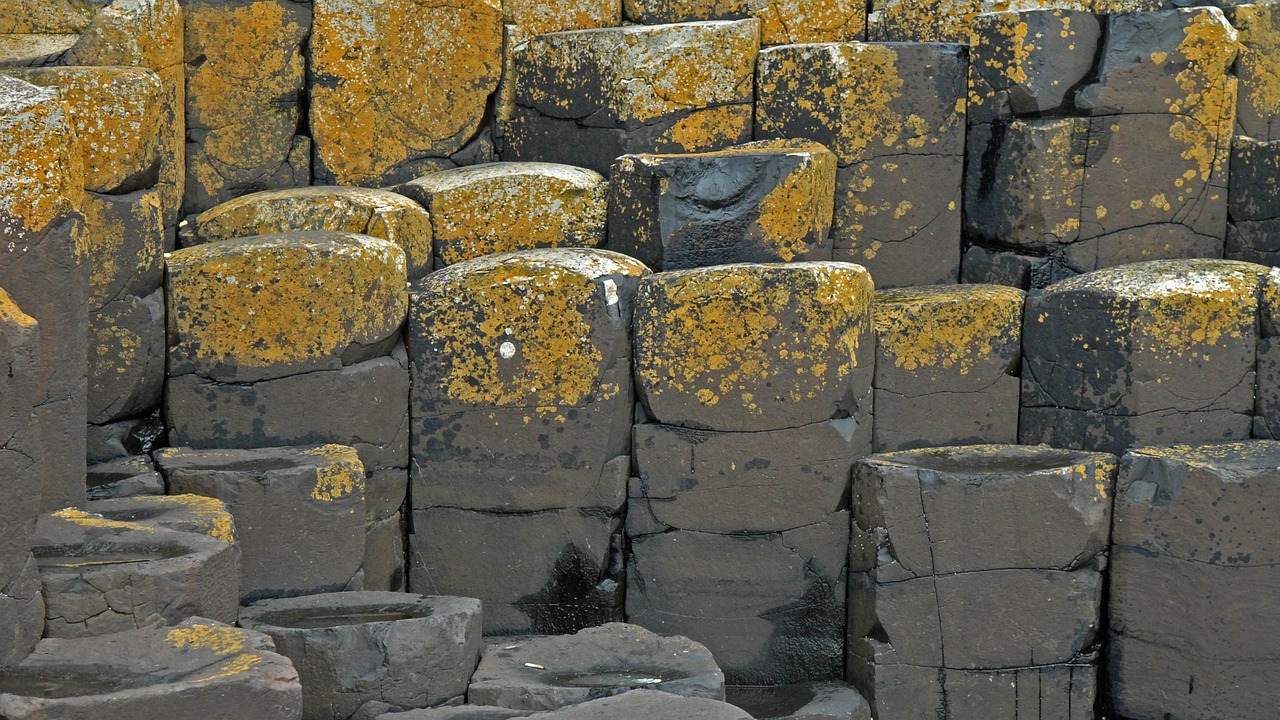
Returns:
point(1243, 455)
point(501, 173)
point(273, 305)
point(779, 146)
point(947, 326)
point(185, 513)
point(995, 460)
point(1160, 279)
point(584, 262)
point(331, 611)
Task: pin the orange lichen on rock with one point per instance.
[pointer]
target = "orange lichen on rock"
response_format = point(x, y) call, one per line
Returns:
point(947, 328)
point(41, 177)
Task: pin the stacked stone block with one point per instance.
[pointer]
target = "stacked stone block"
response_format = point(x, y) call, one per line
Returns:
point(1253, 234)
point(976, 580)
point(756, 382)
point(522, 409)
point(1077, 163)
point(768, 201)
point(585, 97)
point(399, 87)
point(504, 207)
point(41, 191)
point(894, 115)
point(782, 22)
point(1192, 599)
point(294, 339)
point(1161, 351)
point(947, 359)
point(245, 71)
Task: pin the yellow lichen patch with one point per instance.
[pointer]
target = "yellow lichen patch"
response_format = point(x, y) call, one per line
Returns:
point(41, 179)
point(1215, 456)
point(215, 520)
point(234, 666)
point(538, 17)
point(799, 210)
point(123, 242)
point(218, 639)
point(11, 314)
point(114, 111)
point(513, 330)
point(710, 128)
point(398, 80)
point(1209, 94)
point(283, 299)
point(1259, 66)
point(80, 517)
point(721, 333)
point(341, 476)
point(947, 327)
point(784, 22)
point(503, 207)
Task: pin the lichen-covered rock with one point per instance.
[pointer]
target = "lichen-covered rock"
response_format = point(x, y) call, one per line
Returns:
point(782, 22)
point(586, 97)
point(946, 364)
point(184, 513)
point(244, 75)
point(200, 668)
point(103, 576)
point(376, 213)
point(398, 86)
point(768, 201)
point(299, 512)
point(116, 113)
point(41, 189)
point(526, 18)
point(952, 20)
point(503, 207)
point(34, 49)
point(755, 347)
point(894, 115)
point(1194, 567)
point(126, 368)
point(274, 305)
point(1161, 351)
point(1258, 69)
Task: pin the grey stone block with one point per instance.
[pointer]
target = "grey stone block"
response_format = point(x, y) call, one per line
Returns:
point(124, 477)
point(126, 367)
point(647, 705)
point(184, 513)
point(809, 701)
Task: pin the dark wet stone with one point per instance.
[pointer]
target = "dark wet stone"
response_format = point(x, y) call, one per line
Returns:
point(810, 701)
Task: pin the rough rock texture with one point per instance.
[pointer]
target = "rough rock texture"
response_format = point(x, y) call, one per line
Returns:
point(647, 705)
point(21, 610)
point(946, 364)
point(123, 477)
point(972, 563)
point(522, 19)
point(1161, 351)
point(377, 213)
point(199, 668)
point(808, 701)
point(782, 22)
point(502, 207)
point(184, 513)
point(1254, 232)
point(299, 512)
point(399, 86)
point(1192, 597)
point(552, 671)
point(894, 115)
point(767, 201)
point(104, 576)
point(40, 193)
point(1089, 164)
point(586, 97)
point(120, 439)
point(952, 20)
point(755, 347)
point(1258, 107)
point(244, 74)
point(269, 306)
point(550, 571)
point(349, 648)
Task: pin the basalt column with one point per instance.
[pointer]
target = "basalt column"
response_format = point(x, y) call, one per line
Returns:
point(521, 418)
point(756, 387)
point(1254, 214)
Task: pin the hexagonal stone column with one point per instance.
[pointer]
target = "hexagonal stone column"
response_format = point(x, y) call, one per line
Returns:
point(522, 412)
point(503, 207)
point(976, 578)
point(768, 201)
point(104, 576)
point(946, 364)
point(782, 22)
point(299, 513)
point(893, 114)
point(365, 211)
point(585, 97)
point(41, 191)
point(184, 513)
point(1193, 580)
point(1258, 30)
point(245, 72)
point(1161, 351)
point(199, 668)
point(399, 86)
point(354, 647)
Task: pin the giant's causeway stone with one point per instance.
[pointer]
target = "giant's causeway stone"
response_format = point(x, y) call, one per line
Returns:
point(1253, 234)
point(349, 648)
point(1161, 351)
point(128, 476)
point(1195, 564)
point(104, 576)
point(768, 201)
point(807, 701)
point(185, 513)
point(199, 668)
point(975, 569)
point(299, 512)
point(782, 22)
point(1258, 108)
point(946, 364)
point(546, 672)
point(893, 114)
